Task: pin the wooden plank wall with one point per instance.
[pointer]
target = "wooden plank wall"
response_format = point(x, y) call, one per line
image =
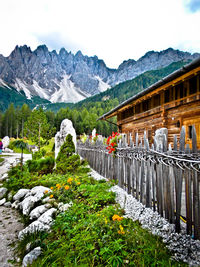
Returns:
point(166, 182)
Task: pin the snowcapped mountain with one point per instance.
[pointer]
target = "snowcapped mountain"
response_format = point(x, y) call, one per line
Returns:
point(65, 77)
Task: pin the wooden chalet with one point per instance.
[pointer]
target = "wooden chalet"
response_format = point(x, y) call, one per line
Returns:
point(172, 102)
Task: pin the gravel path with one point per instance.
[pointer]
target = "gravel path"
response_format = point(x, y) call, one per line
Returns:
point(10, 224)
point(9, 229)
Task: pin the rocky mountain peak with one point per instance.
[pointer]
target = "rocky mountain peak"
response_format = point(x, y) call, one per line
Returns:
point(65, 77)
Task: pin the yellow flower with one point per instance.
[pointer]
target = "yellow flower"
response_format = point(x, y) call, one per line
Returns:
point(78, 183)
point(121, 231)
point(46, 191)
point(116, 218)
point(51, 196)
point(69, 180)
point(58, 186)
point(51, 187)
point(67, 187)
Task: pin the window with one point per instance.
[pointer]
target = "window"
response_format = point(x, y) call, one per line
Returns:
point(127, 113)
point(190, 131)
point(193, 85)
point(156, 100)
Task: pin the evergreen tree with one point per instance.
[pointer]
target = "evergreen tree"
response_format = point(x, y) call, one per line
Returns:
point(37, 127)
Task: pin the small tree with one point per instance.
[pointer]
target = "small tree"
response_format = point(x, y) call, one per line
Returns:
point(37, 127)
point(21, 145)
point(67, 160)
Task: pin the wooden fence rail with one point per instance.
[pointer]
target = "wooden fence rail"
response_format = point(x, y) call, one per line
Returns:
point(166, 181)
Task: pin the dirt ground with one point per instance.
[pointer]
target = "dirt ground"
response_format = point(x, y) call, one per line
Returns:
point(10, 224)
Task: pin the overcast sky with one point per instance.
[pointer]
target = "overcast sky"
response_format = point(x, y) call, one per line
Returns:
point(114, 30)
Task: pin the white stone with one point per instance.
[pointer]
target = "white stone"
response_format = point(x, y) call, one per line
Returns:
point(28, 203)
point(3, 192)
point(66, 128)
point(35, 226)
point(31, 256)
point(8, 150)
point(161, 136)
point(16, 204)
point(38, 211)
point(5, 141)
point(2, 201)
point(20, 194)
point(4, 177)
point(39, 190)
point(63, 207)
point(7, 204)
point(94, 133)
point(46, 218)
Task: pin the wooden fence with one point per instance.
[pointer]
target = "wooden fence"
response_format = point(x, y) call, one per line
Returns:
point(168, 181)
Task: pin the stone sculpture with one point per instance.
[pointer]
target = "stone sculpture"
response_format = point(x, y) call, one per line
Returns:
point(66, 128)
point(160, 139)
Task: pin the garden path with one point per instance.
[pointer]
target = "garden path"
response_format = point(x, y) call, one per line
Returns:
point(10, 224)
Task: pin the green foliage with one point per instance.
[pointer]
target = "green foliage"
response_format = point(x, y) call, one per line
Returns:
point(20, 179)
point(41, 166)
point(67, 161)
point(39, 154)
point(93, 231)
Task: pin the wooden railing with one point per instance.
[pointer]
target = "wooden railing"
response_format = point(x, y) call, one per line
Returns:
point(166, 181)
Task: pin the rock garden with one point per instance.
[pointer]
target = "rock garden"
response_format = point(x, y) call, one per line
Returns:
point(71, 216)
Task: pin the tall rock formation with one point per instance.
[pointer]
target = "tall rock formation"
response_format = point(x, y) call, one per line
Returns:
point(65, 77)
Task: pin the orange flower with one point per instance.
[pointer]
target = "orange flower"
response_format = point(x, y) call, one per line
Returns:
point(67, 187)
point(78, 183)
point(51, 187)
point(116, 218)
point(69, 180)
point(46, 191)
point(51, 196)
point(58, 186)
point(121, 231)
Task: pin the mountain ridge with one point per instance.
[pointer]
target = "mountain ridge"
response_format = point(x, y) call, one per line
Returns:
point(65, 77)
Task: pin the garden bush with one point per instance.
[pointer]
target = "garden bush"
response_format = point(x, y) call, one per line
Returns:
point(41, 166)
point(67, 160)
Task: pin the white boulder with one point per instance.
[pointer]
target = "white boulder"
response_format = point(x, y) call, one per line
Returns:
point(160, 139)
point(46, 218)
point(63, 207)
point(20, 194)
point(27, 204)
point(5, 141)
point(8, 150)
point(2, 201)
point(35, 226)
point(66, 128)
point(31, 256)
point(3, 192)
point(38, 211)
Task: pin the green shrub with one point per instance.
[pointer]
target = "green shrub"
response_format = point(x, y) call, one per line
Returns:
point(39, 154)
point(67, 160)
point(41, 166)
point(20, 179)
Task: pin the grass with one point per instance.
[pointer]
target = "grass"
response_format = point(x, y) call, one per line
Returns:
point(93, 231)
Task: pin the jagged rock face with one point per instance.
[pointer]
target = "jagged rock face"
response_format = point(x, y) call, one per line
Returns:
point(65, 77)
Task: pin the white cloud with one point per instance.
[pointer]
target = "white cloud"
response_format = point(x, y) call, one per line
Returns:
point(114, 30)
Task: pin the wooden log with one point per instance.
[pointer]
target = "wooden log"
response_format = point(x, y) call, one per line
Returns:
point(178, 187)
point(188, 200)
point(182, 140)
point(171, 195)
point(196, 205)
point(194, 140)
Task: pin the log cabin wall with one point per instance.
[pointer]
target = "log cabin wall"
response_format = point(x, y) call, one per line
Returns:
point(172, 105)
